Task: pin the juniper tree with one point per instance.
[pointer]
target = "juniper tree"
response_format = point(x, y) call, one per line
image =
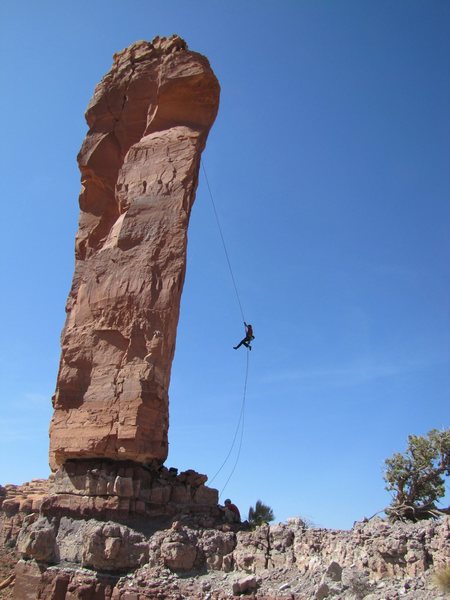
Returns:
point(417, 477)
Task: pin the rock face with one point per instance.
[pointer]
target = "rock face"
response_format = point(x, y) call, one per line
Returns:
point(122, 491)
point(16, 503)
point(69, 556)
point(374, 560)
point(149, 120)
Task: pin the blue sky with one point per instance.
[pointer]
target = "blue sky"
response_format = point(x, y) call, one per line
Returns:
point(329, 167)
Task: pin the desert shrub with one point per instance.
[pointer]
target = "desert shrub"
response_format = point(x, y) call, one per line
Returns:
point(441, 578)
point(259, 514)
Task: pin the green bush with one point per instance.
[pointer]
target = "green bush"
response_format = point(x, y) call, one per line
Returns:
point(260, 514)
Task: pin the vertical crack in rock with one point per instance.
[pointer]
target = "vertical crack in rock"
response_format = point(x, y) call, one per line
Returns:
point(148, 122)
point(268, 556)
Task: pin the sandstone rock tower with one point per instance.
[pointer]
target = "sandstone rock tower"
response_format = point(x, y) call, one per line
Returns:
point(149, 120)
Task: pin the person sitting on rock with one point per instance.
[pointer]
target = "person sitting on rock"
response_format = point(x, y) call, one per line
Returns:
point(248, 337)
point(231, 512)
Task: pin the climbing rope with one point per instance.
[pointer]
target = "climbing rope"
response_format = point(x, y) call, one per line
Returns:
point(223, 242)
point(239, 426)
point(242, 430)
point(241, 420)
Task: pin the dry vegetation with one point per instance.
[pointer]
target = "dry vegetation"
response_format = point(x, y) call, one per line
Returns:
point(442, 578)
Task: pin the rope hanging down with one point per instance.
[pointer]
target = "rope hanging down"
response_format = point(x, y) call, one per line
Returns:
point(241, 420)
point(240, 425)
point(223, 242)
point(242, 429)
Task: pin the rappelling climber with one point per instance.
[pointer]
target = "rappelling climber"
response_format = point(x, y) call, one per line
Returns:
point(248, 337)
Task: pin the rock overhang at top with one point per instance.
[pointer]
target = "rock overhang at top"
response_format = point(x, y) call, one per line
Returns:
point(148, 119)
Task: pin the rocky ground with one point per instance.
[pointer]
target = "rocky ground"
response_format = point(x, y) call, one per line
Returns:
point(74, 556)
point(274, 584)
point(108, 561)
point(271, 584)
point(374, 561)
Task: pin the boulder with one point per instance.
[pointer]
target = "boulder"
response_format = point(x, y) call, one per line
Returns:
point(112, 547)
point(37, 539)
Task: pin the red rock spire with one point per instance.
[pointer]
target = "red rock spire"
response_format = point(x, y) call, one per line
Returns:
point(149, 119)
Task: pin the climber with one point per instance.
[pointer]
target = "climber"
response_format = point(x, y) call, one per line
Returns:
point(231, 512)
point(248, 337)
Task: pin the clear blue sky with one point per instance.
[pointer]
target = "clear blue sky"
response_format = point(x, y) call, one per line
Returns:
point(329, 165)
